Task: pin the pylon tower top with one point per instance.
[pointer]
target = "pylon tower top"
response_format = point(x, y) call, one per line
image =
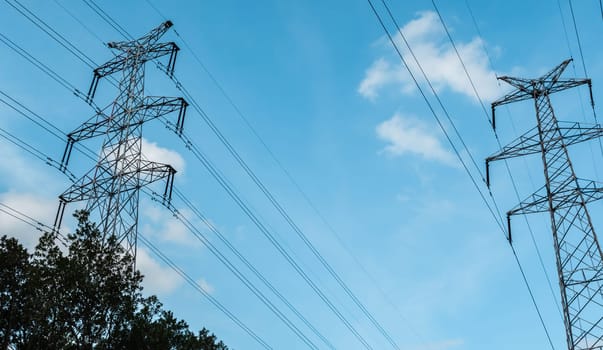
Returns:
point(564, 196)
point(112, 187)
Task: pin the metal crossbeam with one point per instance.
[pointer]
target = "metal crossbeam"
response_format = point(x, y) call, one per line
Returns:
point(578, 254)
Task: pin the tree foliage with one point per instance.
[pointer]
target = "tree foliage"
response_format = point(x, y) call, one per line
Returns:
point(87, 296)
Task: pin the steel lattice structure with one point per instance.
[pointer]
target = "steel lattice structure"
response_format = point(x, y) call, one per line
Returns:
point(112, 187)
point(579, 258)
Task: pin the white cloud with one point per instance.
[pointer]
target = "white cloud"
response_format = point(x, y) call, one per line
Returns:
point(156, 153)
point(157, 279)
point(430, 45)
point(205, 286)
point(164, 226)
point(379, 74)
point(22, 172)
point(406, 135)
point(37, 207)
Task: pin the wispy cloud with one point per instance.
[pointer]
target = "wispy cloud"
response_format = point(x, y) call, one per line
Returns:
point(430, 45)
point(156, 153)
point(408, 135)
point(205, 285)
point(160, 223)
point(28, 192)
point(39, 208)
point(157, 279)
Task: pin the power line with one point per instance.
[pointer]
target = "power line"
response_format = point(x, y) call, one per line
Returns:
point(270, 197)
point(458, 55)
point(42, 123)
point(442, 128)
point(514, 184)
point(212, 248)
point(577, 37)
point(44, 68)
point(269, 235)
point(305, 339)
point(107, 18)
point(40, 226)
point(56, 36)
point(282, 211)
point(429, 105)
point(585, 73)
point(37, 224)
point(250, 266)
point(43, 227)
point(281, 166)
point(33, 18)
point(49, 160)
point(25, 146)
point(47, 70)
point(204, 292)
point(78, 20)
point(100, 12)
point(437, 97)
point(473, 19)
point(35, 152)
point(16, 214)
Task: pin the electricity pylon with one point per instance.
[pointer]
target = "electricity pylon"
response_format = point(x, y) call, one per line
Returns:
point(112, 187)
point(578, 254)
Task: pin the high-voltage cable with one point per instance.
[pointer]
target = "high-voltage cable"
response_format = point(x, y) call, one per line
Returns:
point(46, 228)
point(289, 176)
point(120, 29)
point(495, 132)
point(495, 212)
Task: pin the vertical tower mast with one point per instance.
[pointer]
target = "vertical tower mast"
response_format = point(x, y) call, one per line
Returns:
point(112, 187)
point(578, 254)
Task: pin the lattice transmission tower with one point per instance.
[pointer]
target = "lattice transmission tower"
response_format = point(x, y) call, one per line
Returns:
point(578, 254)
point(111, 189)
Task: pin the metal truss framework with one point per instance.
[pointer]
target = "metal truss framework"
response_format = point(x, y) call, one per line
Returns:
point(578, 254)
point(112, 187)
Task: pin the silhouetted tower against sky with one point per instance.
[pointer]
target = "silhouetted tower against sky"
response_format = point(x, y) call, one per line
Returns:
point(111, 188)
point(564, 196)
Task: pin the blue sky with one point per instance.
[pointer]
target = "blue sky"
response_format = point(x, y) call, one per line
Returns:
point(322, 86)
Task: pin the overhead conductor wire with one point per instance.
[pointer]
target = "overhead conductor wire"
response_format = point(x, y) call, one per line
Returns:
point(289, 176)
point(492, 212)
point(42, 227)
point(124, 33)
point(40, 155)
point(515, 188)
point(569, 49)
point(280, 209)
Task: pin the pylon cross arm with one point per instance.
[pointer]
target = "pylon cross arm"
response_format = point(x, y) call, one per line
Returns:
point(528, 89)
point(156, 107)
point(142, 55)
point(513, 96)
point(529, 143)
point(89, 188)
point(535, 203)
point(145, 40)
point(95, 126)
point(153, 107)
point(538, 201)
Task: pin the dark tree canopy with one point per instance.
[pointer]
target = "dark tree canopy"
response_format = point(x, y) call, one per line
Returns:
point(86, 296)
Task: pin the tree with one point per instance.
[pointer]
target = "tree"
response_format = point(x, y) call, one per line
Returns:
point(85, 297)
point(14, 265)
